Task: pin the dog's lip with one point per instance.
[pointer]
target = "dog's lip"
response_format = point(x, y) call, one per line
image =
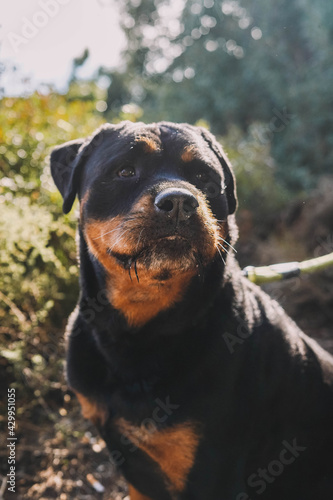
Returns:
point(128, 258)
point(172, 237)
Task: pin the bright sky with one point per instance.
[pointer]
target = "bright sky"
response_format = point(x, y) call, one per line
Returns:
point(41, 37)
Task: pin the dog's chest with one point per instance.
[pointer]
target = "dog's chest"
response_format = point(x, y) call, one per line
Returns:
point(173, 449)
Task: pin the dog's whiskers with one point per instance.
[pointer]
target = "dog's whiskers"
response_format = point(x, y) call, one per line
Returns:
point(129, 271)
point(223, 247)
point(136, 271)
point(137, 245)
point(219, 251)
point(115, 229)
point(108, 232)
point(227, 243)
point(120, 238)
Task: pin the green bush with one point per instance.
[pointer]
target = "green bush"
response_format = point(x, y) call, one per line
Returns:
point(37, 263)
point(257, 187)
point(38, 274)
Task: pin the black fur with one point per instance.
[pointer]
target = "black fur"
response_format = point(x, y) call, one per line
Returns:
point(225, 356)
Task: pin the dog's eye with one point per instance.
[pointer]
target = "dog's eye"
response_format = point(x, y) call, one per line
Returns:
point(202, 177)
point(126, 172)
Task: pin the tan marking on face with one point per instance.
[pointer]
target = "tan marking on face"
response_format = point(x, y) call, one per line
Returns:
point(188, 154)
point(145, 205)
point(149, 145)
point(91, 410)
point(135, 495)
point(109, 233)
point(173, 449)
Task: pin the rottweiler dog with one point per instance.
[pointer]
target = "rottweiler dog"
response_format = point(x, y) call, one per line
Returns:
point(199, 383)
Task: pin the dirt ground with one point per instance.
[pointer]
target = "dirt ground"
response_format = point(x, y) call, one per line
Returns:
point(60, 455)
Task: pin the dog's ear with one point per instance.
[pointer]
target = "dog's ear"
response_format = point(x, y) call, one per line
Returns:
point(229, 178)
point(66, 165)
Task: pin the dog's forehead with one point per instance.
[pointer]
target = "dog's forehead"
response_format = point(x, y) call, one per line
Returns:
point(181, 142)
point(184, 139)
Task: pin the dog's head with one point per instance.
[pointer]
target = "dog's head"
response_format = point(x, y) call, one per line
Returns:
point(154, 199)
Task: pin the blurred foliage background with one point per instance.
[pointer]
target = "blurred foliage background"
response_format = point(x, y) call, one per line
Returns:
point(258, 73)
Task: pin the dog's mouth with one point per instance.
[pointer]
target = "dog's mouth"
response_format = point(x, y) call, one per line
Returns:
point(163, 255)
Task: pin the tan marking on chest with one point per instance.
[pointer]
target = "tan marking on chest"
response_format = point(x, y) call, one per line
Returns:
point(173, 449)
point(135, 495)
point(91, 410)
point(140, 302)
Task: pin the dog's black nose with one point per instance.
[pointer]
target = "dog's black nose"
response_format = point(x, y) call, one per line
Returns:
point(176, 203)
